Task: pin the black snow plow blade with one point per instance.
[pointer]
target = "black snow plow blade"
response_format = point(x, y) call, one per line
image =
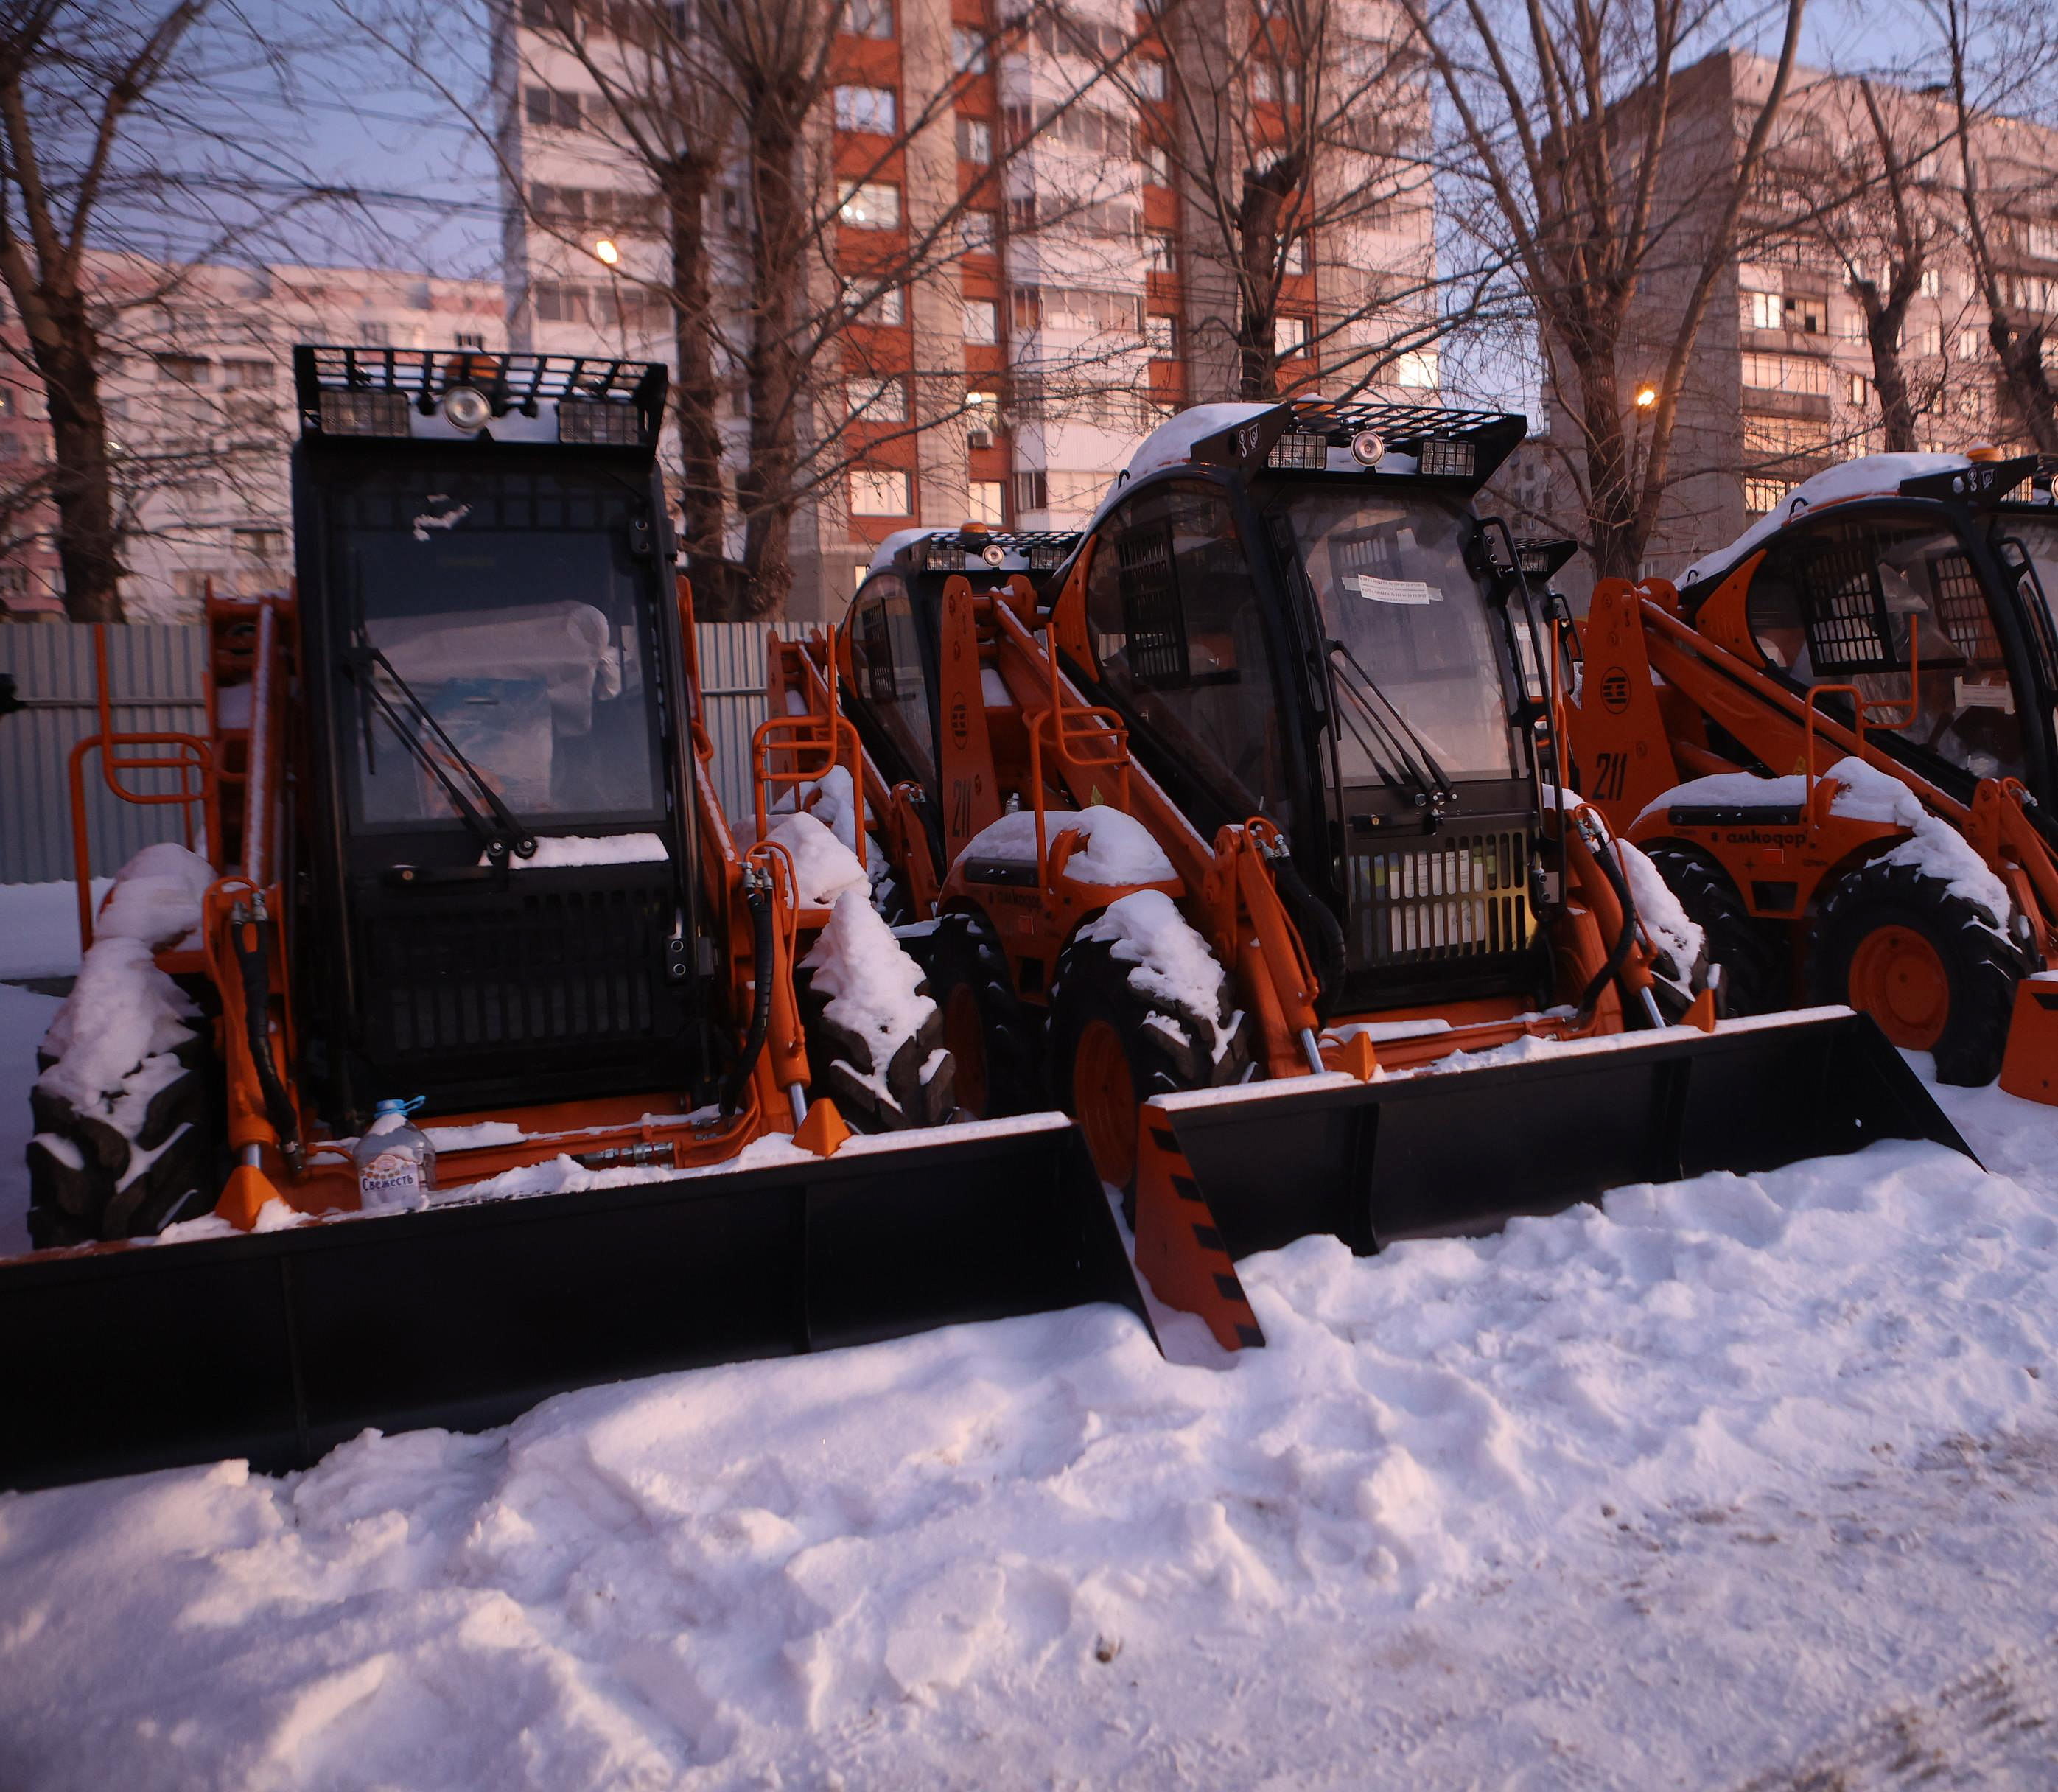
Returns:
point(1224, 1174)
point(278, 1345)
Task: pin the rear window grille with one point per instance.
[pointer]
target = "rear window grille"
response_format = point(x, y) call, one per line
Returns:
point(1846, 618)
point(1961, 612)
point(1454, 896)
point(1150, 612)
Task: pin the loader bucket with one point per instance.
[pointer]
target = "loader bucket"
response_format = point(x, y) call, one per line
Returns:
point(277, 1346)
point(1226, 1173)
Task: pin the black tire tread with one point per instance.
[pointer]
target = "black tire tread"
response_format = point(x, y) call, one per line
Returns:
point(965, 950)
point(1753, 956)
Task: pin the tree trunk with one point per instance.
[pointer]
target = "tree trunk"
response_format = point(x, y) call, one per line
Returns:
point(772, 370)
point(1889, 379)
point(1265, 194)
point(67, 355)
point(1618, 532)
point(2020, 348)
point(696, 396)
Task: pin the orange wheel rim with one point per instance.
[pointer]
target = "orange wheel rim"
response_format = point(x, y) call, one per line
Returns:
point(965, 1040)
point(1104, 1099)
point(1897, 977)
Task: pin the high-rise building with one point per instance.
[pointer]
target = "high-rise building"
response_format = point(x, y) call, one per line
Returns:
point(1024, 219)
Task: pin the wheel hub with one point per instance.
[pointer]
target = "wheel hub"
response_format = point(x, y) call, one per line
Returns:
point(1104, 1101)
point(1898, 978)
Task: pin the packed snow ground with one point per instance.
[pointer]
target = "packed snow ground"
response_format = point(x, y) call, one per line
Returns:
point(1736, 1480)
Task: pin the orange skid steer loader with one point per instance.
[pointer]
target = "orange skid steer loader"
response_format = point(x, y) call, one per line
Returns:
point(456, 838)
point(1243, 841)
point(1835, 740)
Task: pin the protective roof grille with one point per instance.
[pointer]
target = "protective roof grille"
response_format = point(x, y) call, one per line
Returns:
point(1040, 548)
point(1492, 435)
point(511, 380)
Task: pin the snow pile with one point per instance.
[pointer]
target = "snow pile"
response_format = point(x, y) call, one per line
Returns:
point(554, 850)
point(157, 896)
point(831, 800)
point(1731, 790)
point(115, 1036)
point(823, 867)
point(1170, 961)
point(1668, 926)
point(1620, 1499)
point(1868, 476)
point(872, 984)
point(1114, 848)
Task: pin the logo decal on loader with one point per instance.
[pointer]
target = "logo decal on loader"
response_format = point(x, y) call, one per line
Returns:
point(1614, 690)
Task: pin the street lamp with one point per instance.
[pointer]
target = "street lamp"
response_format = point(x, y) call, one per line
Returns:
point(605, 251)
point(1645, 397)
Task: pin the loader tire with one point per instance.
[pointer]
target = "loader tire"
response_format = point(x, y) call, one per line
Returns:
point(1753, 956)
point(994, 1037)
point(88, 1183)
point(840, 1064)
point(1113, 1046)
point(1931, 968)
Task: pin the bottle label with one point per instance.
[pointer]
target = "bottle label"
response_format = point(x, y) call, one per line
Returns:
point(388, 1178)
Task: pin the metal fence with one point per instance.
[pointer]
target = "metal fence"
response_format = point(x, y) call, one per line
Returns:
point(157, 673)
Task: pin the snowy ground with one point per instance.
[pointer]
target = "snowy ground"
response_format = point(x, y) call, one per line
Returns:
point(1739, 1482)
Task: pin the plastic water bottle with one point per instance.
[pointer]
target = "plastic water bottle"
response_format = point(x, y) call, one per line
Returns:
point(396, 1164)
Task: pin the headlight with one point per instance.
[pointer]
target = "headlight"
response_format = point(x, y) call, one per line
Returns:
point(467, 408)
point(1368, 447)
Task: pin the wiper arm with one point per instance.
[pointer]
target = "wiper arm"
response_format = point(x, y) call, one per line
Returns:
point(506, 832)
point(1380, 712)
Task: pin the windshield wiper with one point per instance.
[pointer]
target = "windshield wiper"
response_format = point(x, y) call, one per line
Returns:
point(1384, 718)
point(506, 832)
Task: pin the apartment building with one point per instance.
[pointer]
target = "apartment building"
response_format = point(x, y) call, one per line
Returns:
point(1782, 383)
point(1010, 217)
point(197, 382)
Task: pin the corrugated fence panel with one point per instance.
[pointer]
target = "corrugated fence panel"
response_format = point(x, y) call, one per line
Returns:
point(156, 677)
point(157, 673)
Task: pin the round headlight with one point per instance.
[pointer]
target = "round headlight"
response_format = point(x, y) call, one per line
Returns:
point(467, 407)
point(993, 554)
point(1368, 447)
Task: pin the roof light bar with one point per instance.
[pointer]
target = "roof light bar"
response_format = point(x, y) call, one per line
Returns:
point(596, 423)
point(1300, 453)
point(364, 414)
point(1445, 460)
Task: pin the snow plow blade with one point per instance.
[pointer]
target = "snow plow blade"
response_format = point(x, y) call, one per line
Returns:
point(1227, 1173)
point(276, 1346)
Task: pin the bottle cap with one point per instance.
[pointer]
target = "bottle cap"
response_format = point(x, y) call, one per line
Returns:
point(396, 1104)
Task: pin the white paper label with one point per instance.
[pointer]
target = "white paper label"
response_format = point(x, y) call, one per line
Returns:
point(1392, 590)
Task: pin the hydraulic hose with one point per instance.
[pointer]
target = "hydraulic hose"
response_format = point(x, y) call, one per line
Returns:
point(757, 893)
point(254, 962)
point(1625, 942)
point(1322, 933)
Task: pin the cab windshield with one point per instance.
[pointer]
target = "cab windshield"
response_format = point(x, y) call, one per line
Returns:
point(2039, 536)
point(1395, 594)
point(508, 608)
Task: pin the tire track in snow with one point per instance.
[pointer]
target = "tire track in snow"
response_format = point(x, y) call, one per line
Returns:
point(1993, 1726)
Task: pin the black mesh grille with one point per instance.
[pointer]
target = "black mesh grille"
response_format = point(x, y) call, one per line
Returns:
point(1150, 608)
point(1961, 609)
point(1846, 620)
point(1456, 896)
point(558, 970)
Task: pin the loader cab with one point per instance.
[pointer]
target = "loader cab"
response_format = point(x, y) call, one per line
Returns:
point(1299, 614)
point(1928, 593)
point(896, 624)
point(497, 849)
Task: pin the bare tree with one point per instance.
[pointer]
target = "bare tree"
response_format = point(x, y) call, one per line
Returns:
point(1617, 207)
point(1290, 134)
point(1993, 186)
point(71, 76)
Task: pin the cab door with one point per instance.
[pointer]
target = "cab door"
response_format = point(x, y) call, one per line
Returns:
point(892, 709)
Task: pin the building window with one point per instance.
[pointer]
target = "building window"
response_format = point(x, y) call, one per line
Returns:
point(247, 374)
point(1160, 335)
point(1290, 336)
point(2040, 238)
point(1969, 343)
point(1787, 373)
point(1931, 341)
point(982, 418)
point(877, 401)
point(1161, 252)
point(984, 502)
point(968, 50)
point(981, 320)
point(184, 370)
point(1417, 368)
point(1760, 311)
point(866, 109)
point(470, 339)
point(878, 491)
point(869, 18)
point(870, 205)
point(1156, 164)
point(975, 140)
point(1293, 254)
point(1032, 490)
point(553, 107)
point(1150, 78)
point(260, 544)
point(1853, 328)
point(375, 335)
point(1860, 391)
point(1761, 495)
point(978, 231)
point(1932, 284)
point(882, 309)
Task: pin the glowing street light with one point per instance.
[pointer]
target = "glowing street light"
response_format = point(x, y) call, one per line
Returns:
point(605, 251)
point(1645, 397)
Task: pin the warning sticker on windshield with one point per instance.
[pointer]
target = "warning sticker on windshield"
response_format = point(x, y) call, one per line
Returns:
point(1391, 590)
